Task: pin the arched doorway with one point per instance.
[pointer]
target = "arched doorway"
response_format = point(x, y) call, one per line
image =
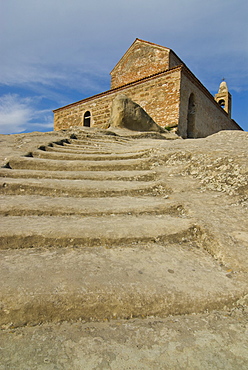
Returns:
point(191, 117)
point(87, 118)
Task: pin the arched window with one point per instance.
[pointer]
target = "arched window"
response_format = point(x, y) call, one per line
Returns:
point(191, 117)
point(87, 117)
point(222, 103)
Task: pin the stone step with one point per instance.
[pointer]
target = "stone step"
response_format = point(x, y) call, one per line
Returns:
point(21, 205)
point(87, 157)
point(88, 150)
point(93, 148)
point(106, 140)
point(101, 147)
point(69, 149)
point(65, 165)
point(84, 175)
point(110, 141)
point(94, 144)
point(80, 231)
point(81, 188)
point(68, 284)
point(210, 340)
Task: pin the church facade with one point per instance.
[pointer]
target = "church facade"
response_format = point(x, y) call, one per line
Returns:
point(155, 77)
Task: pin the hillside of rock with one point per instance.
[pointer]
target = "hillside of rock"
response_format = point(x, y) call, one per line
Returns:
point(123, 250)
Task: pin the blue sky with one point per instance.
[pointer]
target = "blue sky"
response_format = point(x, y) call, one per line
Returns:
point(55, 52)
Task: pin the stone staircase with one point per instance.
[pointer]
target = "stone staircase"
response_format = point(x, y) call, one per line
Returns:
point(92, 229)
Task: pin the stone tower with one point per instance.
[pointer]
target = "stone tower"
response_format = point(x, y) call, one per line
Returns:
point(224, 98)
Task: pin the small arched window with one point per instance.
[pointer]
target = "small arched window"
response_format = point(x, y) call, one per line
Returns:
point(87, 118)
point(222, 103)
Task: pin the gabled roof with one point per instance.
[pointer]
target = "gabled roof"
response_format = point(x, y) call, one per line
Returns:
point(131, 47)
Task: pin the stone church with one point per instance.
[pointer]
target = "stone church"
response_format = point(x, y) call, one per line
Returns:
point(154, 77)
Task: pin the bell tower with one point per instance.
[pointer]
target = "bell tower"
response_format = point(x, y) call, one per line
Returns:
point(224, 98)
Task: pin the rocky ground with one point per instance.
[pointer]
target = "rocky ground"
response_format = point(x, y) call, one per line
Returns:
point(123, 250)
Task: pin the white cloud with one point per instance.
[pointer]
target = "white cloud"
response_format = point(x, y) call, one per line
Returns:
point(16, 114)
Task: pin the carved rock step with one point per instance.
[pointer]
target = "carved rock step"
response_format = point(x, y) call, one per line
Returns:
point(217, 339)
point(81, 188)
point(99, 284)
point(102, 141)
point(97, 145)
point(65, 165)
point(115, 147)
point(87, 157)
point(73, 149)
point(84, 175)
point(70, 231)
point(84, 149)
point(21, 205)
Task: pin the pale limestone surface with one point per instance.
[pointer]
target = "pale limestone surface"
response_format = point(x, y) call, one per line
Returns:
point(216, 340)
point(125, 251)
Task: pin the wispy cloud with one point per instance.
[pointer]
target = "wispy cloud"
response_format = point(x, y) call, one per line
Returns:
point(16, 113)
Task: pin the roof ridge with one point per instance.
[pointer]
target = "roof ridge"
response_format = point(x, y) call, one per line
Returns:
point(153, 43)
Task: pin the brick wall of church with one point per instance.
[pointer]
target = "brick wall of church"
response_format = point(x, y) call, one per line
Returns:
point(158, 95)
point(141, 60)
point(209, 117)
point(174, 61)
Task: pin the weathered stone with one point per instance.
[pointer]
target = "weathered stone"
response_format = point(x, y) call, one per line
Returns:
point(99, 225)
point(126, 113)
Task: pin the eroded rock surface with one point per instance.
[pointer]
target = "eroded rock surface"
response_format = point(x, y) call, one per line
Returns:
point(125, 113)
point(123, 250)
